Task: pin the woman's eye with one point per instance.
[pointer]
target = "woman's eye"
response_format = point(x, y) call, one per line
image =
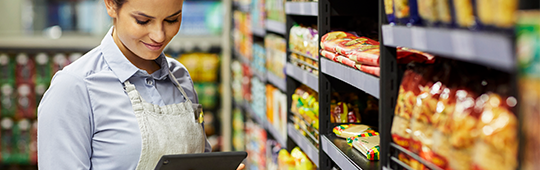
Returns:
point(171, 21)
point(142, 22)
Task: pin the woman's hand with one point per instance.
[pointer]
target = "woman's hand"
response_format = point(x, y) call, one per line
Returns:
point(241, 167)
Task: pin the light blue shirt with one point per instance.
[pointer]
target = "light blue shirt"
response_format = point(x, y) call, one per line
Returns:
point(85, 119)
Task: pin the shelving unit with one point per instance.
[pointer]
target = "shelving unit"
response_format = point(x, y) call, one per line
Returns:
point(259, 32)
point(302, 8)
point(276, 27)
point(311, 151)
point(276, 81)
point(358, 79)
point(266, 125)
point(303, 76)
point(345, 156)
point(484, 48)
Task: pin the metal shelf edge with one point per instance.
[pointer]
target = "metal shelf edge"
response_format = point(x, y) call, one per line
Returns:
point(356, 78)
point(276, 81)
point(275, 26)
point(311, 151)
point(336, 155)
point(303, 76)
point(302, 8)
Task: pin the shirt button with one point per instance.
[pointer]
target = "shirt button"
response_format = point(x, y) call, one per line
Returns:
point(149, 82)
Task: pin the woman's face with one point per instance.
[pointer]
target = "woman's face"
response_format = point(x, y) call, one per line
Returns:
point(145, 27)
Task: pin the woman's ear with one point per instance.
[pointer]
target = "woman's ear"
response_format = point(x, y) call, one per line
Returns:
point(111, 8)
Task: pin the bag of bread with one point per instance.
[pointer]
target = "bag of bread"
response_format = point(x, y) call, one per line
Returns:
point(428, 11)
point(497, 144)
point(464, 13)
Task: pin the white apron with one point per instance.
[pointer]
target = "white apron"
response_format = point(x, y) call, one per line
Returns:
point(170, 129)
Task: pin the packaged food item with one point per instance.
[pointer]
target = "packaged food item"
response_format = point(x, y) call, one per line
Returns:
point(406, 12)
point(8, 140)
point(26, 98)
point(8, 103)
point(389, 10)
point(428, 11)
point(330, 55)
point(345, 131)
point(373, 70)
point(7, 69)
point(497, 134)
point(499, 13)
point(369, 146)
point(464, 13)
point(444, 12)
point(25, 69)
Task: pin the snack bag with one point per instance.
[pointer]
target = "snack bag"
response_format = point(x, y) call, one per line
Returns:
point(368, 55)
point(369, 146)
point(464, 13)
point(345, 131)
point(373, 70)
point(330, 55)
point(441, 120)
point(428, 11)
point(463, 130)
point(389, 10)
point(346, 61)
point(408, 91)
point(406, 12)
point(347, 46)
point(497, 144)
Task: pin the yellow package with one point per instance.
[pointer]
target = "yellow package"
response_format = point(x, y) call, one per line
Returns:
point(464, 13)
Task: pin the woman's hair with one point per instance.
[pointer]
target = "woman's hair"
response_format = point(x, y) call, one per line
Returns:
point(119, 3)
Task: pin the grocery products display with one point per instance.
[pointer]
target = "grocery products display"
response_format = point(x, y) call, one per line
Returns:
point(259, 58)
point(24, 78)
point(276, 109)
point(255, 146)
point(363, 53)
point(238, 135)
point(456, 122)
point(303, 45)
point(242, 34)
point(305, 109)
point(201, 18)
point(347, 107)
point(275, 10)
point(528, 54)
point(258, 14)
point(294, 160)
point(361, 137)
point(276, 54)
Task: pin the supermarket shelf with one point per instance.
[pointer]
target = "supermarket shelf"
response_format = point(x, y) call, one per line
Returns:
point(302, 8)
point(88, 42)
point(266, 125)
point(345, 156)
point(242, 58)
point(302, 54)
point(311, 151)
point(276, 81)
point(241, 7)
point(260, 32)
point(304, 63)
point(356, 78)
point(490, 49)
point(275, 26)
point(415, 156)
point(303, 76)
point(261, 76)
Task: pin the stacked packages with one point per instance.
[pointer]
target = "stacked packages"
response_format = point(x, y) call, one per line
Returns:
point(353, 108)
point(305, 103)
point(456, 120)
point(303, 44)
point(362, 137)
point(363, 53)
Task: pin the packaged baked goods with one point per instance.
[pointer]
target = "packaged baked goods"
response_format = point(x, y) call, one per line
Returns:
point(497, 144)
point(498, 13)
point(368, 145)
point(373, 70)
point(345, 131)
point(328, 54)
point(464, 13)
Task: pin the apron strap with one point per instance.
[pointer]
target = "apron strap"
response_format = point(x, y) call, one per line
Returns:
point(179, 87)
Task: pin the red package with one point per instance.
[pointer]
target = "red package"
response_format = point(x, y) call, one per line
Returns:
point(407, 55)
point(26, 106)
point(336, 35)
point(24, 69)
point(368, 57)
point(346, 61)
point(360, 44)
point(373, 70)
point(330, 55)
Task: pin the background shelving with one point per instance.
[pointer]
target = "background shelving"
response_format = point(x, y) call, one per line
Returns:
point(358, 79)
point(303, 76)
point(311, 151)
point(302, 8)
point(276, 27)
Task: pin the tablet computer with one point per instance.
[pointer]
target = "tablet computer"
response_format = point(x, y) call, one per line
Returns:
point(208, 160)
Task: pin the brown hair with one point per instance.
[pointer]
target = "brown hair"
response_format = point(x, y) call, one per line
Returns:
point(119, 3)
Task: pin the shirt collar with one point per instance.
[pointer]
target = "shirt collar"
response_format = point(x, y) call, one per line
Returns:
point(121, 66)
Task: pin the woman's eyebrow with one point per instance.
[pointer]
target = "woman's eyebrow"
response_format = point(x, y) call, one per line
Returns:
point(148, 16)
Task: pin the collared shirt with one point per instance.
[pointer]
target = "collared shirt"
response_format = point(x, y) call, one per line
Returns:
point(86, 120)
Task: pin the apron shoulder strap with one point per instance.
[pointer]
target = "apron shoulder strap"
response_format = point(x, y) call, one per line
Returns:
point(179, 87)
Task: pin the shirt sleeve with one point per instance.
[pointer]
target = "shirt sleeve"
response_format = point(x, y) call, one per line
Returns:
point(65, 125)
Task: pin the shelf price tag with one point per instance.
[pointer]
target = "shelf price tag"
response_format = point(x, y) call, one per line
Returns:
point(462, 44)
point(419, 40)
point(388, 35)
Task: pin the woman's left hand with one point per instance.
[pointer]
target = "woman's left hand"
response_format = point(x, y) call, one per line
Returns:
point(241, 167)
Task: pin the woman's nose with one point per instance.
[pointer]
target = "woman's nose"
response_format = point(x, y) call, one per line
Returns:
point(157, 34)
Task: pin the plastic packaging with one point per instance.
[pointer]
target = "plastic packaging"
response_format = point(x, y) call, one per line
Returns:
point(345, 131)
point(464, 13)
point(369, 146)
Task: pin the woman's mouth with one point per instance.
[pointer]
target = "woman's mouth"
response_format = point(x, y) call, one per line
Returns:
point(153, 47)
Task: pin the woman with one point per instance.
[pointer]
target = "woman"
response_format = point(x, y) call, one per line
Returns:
point(123, 104)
